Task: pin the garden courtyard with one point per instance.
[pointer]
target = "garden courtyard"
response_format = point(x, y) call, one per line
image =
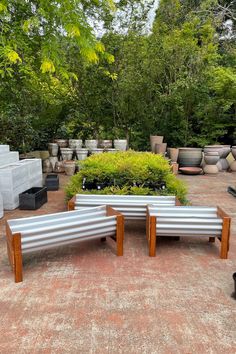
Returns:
point(84, 299)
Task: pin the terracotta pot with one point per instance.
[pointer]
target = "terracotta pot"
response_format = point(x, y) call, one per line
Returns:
point(173, 154)
point(190, 157)
point(211, 158)
point(161, 148)
point(121, 144)
point(47, 167)
point(53, 160)
point(233, 151)
point(66, 154)
point(91, 144)
point(81, 154)
point(53, 149)
point(75, 144)
point(62, 143)
point(105, 144)
point(96, 151)
point(59, 167)
point(155, 139)
point(69, 168)
point(210, 169)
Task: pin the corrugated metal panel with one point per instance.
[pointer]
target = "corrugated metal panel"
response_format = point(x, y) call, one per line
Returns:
point(43, 232)
point(186, 211)
point(131, 206)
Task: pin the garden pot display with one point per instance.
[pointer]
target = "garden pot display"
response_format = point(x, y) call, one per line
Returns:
point(96, 151)
point(47, 167)
point(52, 182)
point(59, 167)
point(53, 149)
point(217, 148)
point(105, 144)
point(53, 160)
point(160, 148)
point(190, 157)
point(75, 144)
point(44, 155)
point(121, 145)
point(211, 159)
point(81, 154)
point(173, 154)
point(66, 154)
point(33, 198)
point(155, 139)
point(62, 143)
point(233, 164)
point(91, 144)
point(223, 161)
point(69, 168)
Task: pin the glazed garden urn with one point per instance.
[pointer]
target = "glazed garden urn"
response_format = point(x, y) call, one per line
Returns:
point(211, 159)
point(190, 157)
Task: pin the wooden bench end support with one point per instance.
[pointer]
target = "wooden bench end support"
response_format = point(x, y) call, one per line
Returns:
point(120, 234)
point(71, 204)
point(225, 238)
point(152, 236)
point(17, 258)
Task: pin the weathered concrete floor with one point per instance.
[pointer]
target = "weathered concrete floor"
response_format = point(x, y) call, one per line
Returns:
point(83, 299)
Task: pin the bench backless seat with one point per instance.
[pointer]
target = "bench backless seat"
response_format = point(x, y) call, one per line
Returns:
point(131, 206)
point(38, 233)
point(188, 221)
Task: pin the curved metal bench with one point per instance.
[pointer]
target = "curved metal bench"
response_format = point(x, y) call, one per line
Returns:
point(131, 206)
point(38, 233)
point(188, 221)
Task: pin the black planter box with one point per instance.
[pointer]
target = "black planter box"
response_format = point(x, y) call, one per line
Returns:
point(232, 191)
point(33, 198)
point(52, 182)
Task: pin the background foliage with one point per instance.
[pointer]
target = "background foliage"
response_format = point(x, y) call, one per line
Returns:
point(85, 69)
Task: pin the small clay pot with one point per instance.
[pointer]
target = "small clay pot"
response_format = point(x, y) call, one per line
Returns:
point(69, 168)
point(173, 154)
point(161, 149)
point(81, 154)
point(66, 154)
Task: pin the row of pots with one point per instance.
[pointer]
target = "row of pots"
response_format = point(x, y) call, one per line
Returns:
point(50, 165)
point(74, 144)
point(79, 154)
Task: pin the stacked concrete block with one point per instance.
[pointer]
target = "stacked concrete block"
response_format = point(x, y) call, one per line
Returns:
point(1, 206)
point(17, 176)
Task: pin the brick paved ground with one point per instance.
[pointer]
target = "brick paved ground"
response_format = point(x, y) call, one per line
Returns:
point(83, 299)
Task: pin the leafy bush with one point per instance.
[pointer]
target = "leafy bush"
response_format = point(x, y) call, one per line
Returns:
point(126, 173)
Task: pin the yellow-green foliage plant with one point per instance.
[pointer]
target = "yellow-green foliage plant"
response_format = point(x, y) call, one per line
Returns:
point(128, 173)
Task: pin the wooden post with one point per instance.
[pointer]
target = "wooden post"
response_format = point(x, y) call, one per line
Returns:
point(71, 204)
point(152, 237)
point(120, 234)
point(17, 257)
point(225, 235)
point(147, 224)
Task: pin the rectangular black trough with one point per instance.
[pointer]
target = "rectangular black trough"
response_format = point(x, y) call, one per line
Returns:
point(232, 191)
point(33, 198)
point(52, 182)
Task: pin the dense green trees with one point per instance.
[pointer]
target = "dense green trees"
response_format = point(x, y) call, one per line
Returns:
point(179, 79)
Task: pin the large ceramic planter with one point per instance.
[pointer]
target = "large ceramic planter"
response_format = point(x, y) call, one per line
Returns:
point(75, 144)
point(69, 168)
point(223, 161)
point(190, 157)
point(161, 148)
point(62, 143)
point(81, 154)
point(216, 148)
point(91, 144)
point(211, 159)
point(66, 154)
point(121, 144)
point(233, 164)
point(96, 151)
point(155, 139)
point(173, 154)
point(105, 144)
point(53, 149)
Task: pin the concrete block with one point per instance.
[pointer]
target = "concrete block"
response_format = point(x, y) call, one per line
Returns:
point(11, 197)
point(13, 175)
point(7, 158)
point(4, 149)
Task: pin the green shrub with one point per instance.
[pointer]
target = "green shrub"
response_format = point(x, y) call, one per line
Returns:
point(127, 173)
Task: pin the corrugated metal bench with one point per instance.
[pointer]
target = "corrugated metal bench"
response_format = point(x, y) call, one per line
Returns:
point(131, 206)
point(38, 233)
point(188, 221)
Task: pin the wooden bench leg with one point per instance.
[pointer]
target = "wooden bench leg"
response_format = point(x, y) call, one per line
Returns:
point(152, 236)
point(120, 235)
point(103, 239)
point(212, 239)
point(225, 238)
point(17, 258)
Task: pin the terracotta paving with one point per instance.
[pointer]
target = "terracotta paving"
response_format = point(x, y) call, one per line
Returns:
point(84, 299)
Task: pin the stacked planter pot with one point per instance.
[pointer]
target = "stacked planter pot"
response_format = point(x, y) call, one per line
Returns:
point(233, 164)
point(211, 159)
